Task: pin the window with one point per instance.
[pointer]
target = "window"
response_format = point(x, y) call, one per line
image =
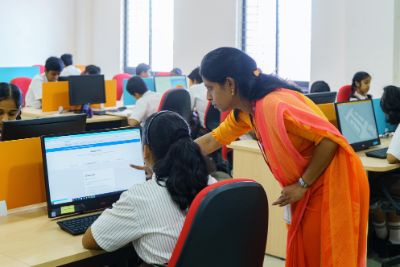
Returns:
point(148, 35)
point(277, 34)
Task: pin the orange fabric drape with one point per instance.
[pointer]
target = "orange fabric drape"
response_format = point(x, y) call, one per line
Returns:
point(329, 225)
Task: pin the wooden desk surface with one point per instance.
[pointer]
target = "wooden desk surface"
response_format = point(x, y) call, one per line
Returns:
point(32, 113)
point(30, 238)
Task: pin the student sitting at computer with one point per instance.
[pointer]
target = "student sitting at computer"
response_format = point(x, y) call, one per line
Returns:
point(319, 87)
point(151, 215)
point(69, 69)
point(10, 102)
point(358, 90)
point(53, 68)
point(147, 102)
point(388, 224)
point(176, 72)
point(198, 94)
point(143, 70)
point(91, 70)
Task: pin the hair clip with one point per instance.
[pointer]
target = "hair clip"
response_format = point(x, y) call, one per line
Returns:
point(257, 72)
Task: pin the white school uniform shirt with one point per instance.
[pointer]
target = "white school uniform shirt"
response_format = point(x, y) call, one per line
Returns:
point(70, 70)
point(145, 106)
point(146, 216)
point(33, 97)
point(198, 99)
point(394, 147)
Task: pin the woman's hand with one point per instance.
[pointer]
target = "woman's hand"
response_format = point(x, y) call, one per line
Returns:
point(290, 194)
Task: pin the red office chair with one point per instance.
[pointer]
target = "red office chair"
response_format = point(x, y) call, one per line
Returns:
point(177, 100)
point(23, 84)
point(226, 225)
point(120, 83)
point(212, 117)
point(344, 94)
point(41, 68)
point(163, 73)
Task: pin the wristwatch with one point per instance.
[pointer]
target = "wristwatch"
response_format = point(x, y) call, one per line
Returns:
point(302, 183)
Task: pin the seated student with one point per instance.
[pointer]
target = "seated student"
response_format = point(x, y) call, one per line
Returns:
point(69, 68)
point(358, 90)
point(143, 70)
point(176, 72)
point(198, 95)
point(91, 70)
point(147, 102)
point(382, 222)
point(319, 86)
point(10, 103)
point(53, 68)
point(151, 215)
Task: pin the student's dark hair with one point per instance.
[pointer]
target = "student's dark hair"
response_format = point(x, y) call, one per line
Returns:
point(67, 59)
point(319, 86)
point(390, 103)
point(136, 85)
point(195, 75)
point(142, 67)
point(179, 162)
point(11, 91)
point(358, 77)
point(176, 71)
point(92, 70)
point(54, 64)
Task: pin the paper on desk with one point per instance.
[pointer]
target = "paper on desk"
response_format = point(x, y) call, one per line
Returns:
point(3, 208)
point(287, 214)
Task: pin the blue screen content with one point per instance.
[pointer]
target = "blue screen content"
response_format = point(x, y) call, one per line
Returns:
point(7, 74)
point(357, 121)
point(87, 165)
point(128, 99)
point(164, 83)
point(383, 125)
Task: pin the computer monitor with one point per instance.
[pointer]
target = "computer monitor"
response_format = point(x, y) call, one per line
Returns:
point(128, 99)
point(88, 171)
point(322, 97)
point(356, 121)
point(382, 122)
point(53, 125)
point(163, 83)
point(86, 89)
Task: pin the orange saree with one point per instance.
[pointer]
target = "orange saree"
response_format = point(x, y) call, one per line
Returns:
point(329, 224)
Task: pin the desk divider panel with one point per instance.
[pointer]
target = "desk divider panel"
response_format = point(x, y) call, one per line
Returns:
point(329, 111)
point(9, 73)
point(21, 173)
point(56, 94)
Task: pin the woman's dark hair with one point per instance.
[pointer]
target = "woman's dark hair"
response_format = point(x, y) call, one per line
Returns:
point(179, 162)
point(225, 62)
point(11, 91)
point(319, 86)
point(136, 85)
point(358, 77)
point(195, 75)
point(390, 103)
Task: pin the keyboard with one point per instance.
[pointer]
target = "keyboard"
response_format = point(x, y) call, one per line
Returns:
point(77, 226)
point(377, 153)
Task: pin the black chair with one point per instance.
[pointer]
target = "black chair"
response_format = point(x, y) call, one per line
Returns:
point(177, 100)
point(226, 225)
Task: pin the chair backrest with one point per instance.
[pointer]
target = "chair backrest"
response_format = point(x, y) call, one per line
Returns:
point(23, 84)
point(226, 225)
point(41, 68)
point(120, 83)
point(212, 117)
point(344, 94)
point(177, 100)
point(163, 73)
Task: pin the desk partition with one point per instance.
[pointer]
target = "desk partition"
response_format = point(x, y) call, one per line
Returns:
point(9, 73)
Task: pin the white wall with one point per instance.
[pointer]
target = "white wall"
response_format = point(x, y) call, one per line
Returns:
point(350, 36)
point(31, 31)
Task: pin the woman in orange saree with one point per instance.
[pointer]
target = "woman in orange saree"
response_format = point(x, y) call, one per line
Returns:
point(323, 182)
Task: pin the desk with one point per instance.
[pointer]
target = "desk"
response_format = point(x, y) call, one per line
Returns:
point(248, 162)
point(29, 238)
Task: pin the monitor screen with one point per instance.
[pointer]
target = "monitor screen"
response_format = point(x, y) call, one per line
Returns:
point(356, 121)
point(381, 119)
point(89, 171)
point(164, 83)
point(53, 125)
point(322, 97)
point(86, 89)
point(128, 99)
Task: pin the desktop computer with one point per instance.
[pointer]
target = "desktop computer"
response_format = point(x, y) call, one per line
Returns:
point(322, 97)
point(86, 89)
point(88, 171)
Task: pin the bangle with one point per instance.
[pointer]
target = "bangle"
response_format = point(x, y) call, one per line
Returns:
point(303, 183)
